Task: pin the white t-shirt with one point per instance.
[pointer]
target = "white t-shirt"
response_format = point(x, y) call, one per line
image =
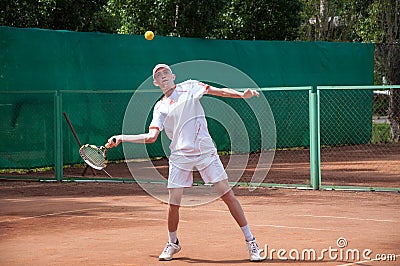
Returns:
point(182, 117)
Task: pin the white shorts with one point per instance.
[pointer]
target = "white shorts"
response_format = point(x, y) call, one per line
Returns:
point(210, 169)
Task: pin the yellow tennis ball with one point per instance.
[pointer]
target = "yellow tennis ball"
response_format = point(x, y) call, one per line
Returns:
point(149, 35)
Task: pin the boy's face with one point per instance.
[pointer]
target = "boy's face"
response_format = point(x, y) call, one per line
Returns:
point(164, 78)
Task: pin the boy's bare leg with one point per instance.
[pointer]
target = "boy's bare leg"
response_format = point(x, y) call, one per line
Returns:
point(175, 198)
point(172, 247)
point(235, 208)
point(227, 195)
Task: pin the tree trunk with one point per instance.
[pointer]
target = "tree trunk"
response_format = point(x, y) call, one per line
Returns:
point(388, 56)
point(323, 19)
point(393, 71)
point(394, 115)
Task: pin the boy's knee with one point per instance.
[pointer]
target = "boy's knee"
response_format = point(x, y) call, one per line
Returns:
point(228, 197)
point(175, 197)
point(173, 206)
point(223, 188)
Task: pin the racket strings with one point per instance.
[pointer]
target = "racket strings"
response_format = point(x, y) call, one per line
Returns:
point(94, 156)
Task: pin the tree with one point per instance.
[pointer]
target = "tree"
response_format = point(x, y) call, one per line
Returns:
point(166, 17)
point(387, 16)
point(382, 26)
point(25, 13)
point(74, 15)
point(332, 20)
point(261, 20)
point(237, 19)
point(375, 21)
point(134, 16)
point(198, 18)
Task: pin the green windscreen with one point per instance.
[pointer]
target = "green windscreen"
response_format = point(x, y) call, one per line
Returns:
point(35, 60)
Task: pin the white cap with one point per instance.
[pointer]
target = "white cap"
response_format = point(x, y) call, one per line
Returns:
point(160, 66)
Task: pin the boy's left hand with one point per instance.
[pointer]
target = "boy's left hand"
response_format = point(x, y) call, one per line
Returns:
point(250, 93)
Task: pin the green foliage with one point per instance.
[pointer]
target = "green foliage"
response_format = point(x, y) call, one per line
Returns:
point(381, 105)
point(74, 15)
point(368, 28)
point(198, 18)
point(165, 17)
point(19, 13)
point(380, 133)
point(236, 19)
point(381, 25)
point(333, 20)
point(261, 20)
point(134, 16)
point(336, 22)
point(351, 20)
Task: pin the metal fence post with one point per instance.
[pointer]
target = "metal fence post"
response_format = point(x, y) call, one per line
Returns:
point(315, 157)
point(58, 167)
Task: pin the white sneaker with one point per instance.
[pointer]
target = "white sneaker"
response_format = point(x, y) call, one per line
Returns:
point(255, 252)
point(169, 250)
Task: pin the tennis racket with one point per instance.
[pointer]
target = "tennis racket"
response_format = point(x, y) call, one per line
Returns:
point(95, 156)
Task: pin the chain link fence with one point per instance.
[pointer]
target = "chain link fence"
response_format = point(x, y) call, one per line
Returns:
point(291, 165)
point(264, 140)
point(362, 150)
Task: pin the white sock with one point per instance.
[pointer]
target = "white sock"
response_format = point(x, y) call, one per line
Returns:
point(172, 237)
point(247, 234)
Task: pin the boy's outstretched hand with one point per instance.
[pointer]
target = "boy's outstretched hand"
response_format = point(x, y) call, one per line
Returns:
point(113, 142)
point(249, 93)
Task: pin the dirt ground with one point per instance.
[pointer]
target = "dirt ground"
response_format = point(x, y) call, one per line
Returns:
point(119, 224)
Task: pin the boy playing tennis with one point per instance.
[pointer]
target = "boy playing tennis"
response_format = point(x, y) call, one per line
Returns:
point(182, 117)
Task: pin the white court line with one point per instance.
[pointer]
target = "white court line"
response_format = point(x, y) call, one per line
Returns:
point(83, 216)
point(342, 217)
point(363, 261)
point(295, 227)
point(325, 216)
point(122, 218)
point(48, 214)
point(17, 200)
point(214, 210)
point(357, 262)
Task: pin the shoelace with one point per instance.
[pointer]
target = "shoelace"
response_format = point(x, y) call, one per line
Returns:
point(254, 247)
point(167, 247)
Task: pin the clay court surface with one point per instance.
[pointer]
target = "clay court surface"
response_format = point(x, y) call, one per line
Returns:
point(91, 223)
point(119, 224)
